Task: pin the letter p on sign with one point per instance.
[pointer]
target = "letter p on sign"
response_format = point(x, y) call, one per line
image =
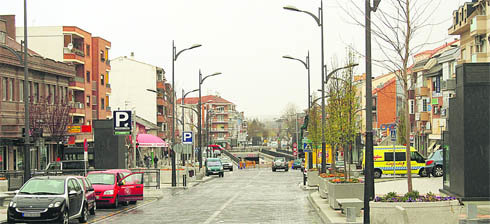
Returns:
point(187, 137)
point(122, 120)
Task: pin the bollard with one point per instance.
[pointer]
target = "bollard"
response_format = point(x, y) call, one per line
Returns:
point(304, 178)
point(351, 214)
point(184, 180)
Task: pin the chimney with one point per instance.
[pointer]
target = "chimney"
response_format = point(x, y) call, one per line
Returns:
point(10, 19)
point(3, 31)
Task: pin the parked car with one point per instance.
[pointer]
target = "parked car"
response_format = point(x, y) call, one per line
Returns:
point(279, 163)
point(53, 199)
point(214, 166)
point(296, 164)
point(89, 194)
point(227, 163)
point(433, 165)
point(112, 187)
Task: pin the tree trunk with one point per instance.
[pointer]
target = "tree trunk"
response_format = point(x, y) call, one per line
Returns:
point(407, 113)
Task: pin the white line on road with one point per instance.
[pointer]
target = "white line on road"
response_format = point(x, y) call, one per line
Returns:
point(216, 213)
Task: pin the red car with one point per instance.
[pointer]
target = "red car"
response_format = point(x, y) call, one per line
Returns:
point(89, 194)
point(113, 187)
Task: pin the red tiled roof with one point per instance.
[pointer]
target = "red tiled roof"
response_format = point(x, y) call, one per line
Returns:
point(204, 99)
point(433, 51)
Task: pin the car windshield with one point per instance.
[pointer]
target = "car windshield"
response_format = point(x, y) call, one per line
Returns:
point(214, 163)
point(44, 186)
point(101, 178)
point(279, 159)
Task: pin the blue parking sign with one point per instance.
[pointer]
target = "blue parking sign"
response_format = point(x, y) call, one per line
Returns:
point(393, 135)
point(187, 137)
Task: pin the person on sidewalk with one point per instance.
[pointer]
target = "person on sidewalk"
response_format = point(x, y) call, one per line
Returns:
point(147, 161)
point(155, 160)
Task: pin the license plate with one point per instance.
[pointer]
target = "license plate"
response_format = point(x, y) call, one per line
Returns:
point(31, 214)
point(96, 197)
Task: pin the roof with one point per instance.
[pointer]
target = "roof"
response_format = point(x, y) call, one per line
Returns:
point(204, 99)
point(435, 50)
point(384, 85)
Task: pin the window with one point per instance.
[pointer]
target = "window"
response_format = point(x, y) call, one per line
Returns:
point(102, 104)
point(388, 156)
point(3, 36)
point(164, 126)
point(88, 76)
point(88, 50)
point(221, 135)
point(71, 186)
point(221, 118)
point(425, 103)
point(4, 89)
point(102, 55)
point(220, 109)
point(11, 89)
point(412, 106)
point(102, 79)
point(53, 95)
point(88, 101)
point(400, 156)
point(36, 92)
point(21, 90)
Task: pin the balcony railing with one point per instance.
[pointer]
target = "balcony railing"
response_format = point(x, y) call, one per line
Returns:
point(108, 85)
point(78, 105)
point(108, 62)
point(74, 51)
point(79, 79)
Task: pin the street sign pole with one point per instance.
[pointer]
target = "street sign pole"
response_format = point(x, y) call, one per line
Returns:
point(393, 139)
point(85, 155)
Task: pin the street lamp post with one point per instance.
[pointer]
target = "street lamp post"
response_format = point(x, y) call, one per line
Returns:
point(369, 166)
point(175, 55)
point(307, 66)
point(201, 80)
point(184, 94)
point(319, 21)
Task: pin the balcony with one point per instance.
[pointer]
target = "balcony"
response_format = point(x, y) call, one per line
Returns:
point(78, 109)
point(78, 83)
point(160, 85)
point(219, 130)
point(422, 91)
point(108, 89)
point(478, 25)
point(160, 102)
point(74, 55)
point(216, 121)
point(108, 62)
point(221, 112)
point(160, 118)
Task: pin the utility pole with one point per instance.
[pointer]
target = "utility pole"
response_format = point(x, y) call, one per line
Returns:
point(27, 128)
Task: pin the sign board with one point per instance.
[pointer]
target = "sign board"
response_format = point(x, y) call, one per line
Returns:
point(122, 122)
point(295, 153)
point(307, 148)
point(86, 128)
point(187, 137)
point(393, 135)
point(74, 128)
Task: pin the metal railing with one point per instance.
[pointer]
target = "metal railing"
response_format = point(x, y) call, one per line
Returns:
point(151, 177)
point(284, 151)
point(232, 157)
point(277, 154)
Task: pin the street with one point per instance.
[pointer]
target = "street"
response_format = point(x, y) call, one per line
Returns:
point(242, 196)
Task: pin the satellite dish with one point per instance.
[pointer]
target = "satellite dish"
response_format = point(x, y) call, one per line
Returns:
point(70, 46)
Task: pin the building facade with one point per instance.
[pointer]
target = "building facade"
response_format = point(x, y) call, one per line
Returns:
point(90, 86)
point(48, 83)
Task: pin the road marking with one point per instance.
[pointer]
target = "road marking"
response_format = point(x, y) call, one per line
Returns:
point(121, 211)
point(216, 213)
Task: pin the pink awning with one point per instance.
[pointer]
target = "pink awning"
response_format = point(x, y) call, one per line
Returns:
point(147, 140)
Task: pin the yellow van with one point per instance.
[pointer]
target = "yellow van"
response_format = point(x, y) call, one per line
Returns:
point(383, 161)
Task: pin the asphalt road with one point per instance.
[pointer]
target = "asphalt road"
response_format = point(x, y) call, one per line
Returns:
point(243, 196)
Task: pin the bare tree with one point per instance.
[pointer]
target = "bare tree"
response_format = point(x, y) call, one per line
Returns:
point(395, 27)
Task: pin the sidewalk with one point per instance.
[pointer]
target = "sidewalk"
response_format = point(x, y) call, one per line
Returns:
point(423, 185)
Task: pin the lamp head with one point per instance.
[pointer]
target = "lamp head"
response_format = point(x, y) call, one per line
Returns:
point(288, 57)
point(292, 8)
point(195, 46)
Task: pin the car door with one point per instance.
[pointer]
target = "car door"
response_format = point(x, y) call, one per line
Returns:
point(131, 187)
point(76, 200)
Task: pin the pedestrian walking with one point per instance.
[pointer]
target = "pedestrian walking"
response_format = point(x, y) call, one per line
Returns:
point(155, 160)
point(147, 161)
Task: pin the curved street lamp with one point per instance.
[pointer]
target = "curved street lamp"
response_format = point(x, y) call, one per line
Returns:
point(319, 21)
point(201, 80)
point(175, 55)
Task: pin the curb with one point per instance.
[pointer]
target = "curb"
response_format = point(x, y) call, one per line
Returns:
point(323, 217)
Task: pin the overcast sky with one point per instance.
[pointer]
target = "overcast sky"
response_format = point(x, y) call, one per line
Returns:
point(243, 39)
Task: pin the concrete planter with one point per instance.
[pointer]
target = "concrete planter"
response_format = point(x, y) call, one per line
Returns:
point(322, 187)
point(415, 212)
point(344, 190)
point(313, 178)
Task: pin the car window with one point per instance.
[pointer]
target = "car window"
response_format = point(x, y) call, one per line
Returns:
point(71, 186)
point(43, 186)
point(279, 159)
point(136, 178)
point(214, 163)
point(89, 184)
point(82, 180)
point(101, 178)
point(77, 186)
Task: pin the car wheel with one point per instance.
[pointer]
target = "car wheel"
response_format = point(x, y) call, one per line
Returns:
point(133, 202)
point(286, 170)
point(9, 220)
point(273, 170)
point(125, 203)
point(438, 171)
point(65, 219)
point(423, 172)
point(377, 173)
point(84, 216)
point(116, 202)
point(92, 211)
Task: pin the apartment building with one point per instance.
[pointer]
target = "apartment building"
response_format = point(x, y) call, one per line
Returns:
point(471, 22)
point(149, 97)
point(49, 82)
point(219, 119)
